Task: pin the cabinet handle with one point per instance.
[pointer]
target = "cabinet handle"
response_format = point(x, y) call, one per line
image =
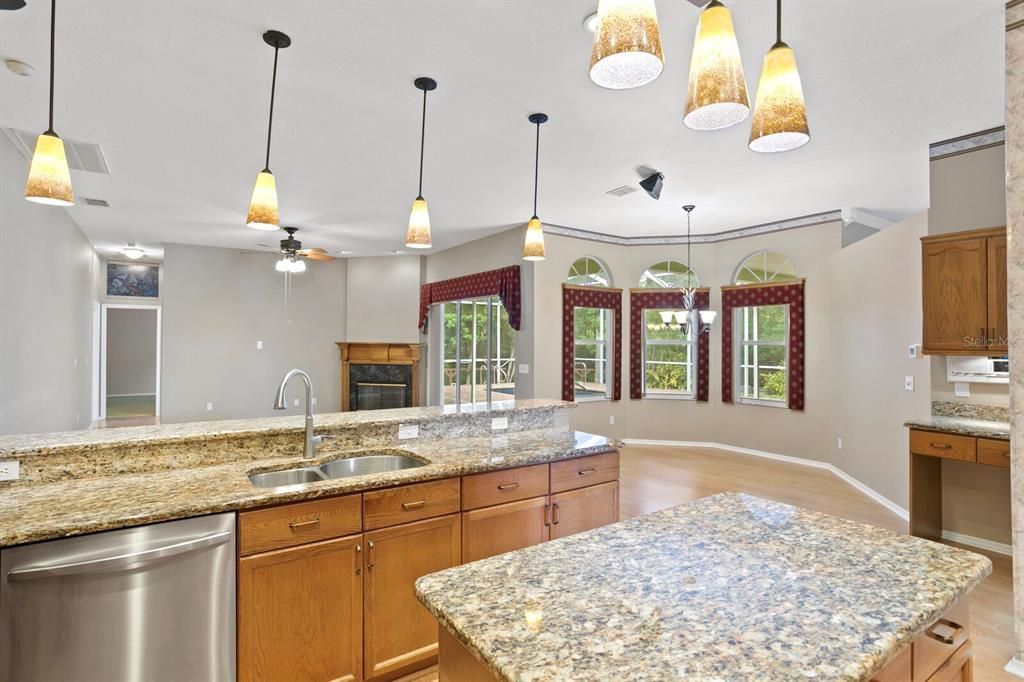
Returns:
point(945, 639)
point(547, 514)
point(413, 505)
point(584, 472)
point(554, 514)
point(508, 486)
point(369, 555)
point(359, 559)
point(294, 525)
point(941, 446)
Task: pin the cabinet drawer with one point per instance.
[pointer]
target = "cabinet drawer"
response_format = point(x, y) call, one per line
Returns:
point(942, 445)
point(390, 507)
point(940, 640)
point(994, 452)
point(508, 485)
point(958, 668)
point(583, 471)
point(296, 524)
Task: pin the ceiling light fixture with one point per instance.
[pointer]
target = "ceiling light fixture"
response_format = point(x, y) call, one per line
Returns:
point(263, 213)
point(533, 246)
point(418, 235)
point(133, 251)
point(590, 23)
point(690, 315)
point(49, 180)
point(627, 44)
point(780, 115)
point(717, 96)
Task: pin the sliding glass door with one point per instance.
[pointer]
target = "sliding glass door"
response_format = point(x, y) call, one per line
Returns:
point(478, 352)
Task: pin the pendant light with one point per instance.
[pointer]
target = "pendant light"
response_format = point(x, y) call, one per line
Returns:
point(780, 116)
point(418, 235)
point(263, 214)
point(533, 247)
point(690, 315)
point(49, 181)
point(717, 96)
point(627, 44)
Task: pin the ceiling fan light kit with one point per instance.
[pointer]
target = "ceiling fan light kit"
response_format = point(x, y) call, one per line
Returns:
point(263, 211)
point(717, 93)
point(418, 234)
point(627, 45)
point(49, 180)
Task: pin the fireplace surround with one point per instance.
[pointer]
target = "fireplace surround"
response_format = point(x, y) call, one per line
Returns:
point(381, 368)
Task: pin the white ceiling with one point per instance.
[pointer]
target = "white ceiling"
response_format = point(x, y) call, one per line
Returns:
point(176, 93)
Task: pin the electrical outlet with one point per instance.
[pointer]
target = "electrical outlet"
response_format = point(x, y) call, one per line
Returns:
point(523, 368)
point(839, 442)
point(259, 345)
point(908, 383)
point(499, 423)
point(407, 431)
point(209, 407)
point(9, 471)
point(913, 350)
point(295, 402)
point(314, 402)
point(611, 419)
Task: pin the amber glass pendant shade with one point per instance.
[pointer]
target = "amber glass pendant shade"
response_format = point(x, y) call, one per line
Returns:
point(418, 235)
point(780, 115)
point(717, 96)
point(627, 44)
point(49, 181)
point(263, 207)
point(533, 247)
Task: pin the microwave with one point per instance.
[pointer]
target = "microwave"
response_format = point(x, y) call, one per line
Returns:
point(977, 370)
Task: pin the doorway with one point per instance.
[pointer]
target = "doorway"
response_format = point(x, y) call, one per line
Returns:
point(129, 390)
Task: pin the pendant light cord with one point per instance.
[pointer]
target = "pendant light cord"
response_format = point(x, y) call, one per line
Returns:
point(778, 21)
point(270, 124)
point(53, 33)
point(689, 274)
point(423, 138)
point(536, 171)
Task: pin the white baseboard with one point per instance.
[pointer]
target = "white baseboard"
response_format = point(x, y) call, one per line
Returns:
point(979, 543)
point(1015, 667)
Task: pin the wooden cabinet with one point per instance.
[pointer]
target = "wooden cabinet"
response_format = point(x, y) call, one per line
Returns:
point(957, 668)
point(300, 613)
point(399, 634)
point(964, 292)
point(289, 525)
point(507, 485)
point(945, 445)
point(389, 507)
point(994, 452)
point(578, 510)
point(898, 669)
point(570, 474)
point(504, 528)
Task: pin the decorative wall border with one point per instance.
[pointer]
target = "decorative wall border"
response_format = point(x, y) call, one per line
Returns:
point(993, 137)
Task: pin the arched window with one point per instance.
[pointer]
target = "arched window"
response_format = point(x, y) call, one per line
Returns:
point(588, 272)
point(765, 266)
point(669, 274)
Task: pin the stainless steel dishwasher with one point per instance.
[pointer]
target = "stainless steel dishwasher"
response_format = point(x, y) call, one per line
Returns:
point(149, 604)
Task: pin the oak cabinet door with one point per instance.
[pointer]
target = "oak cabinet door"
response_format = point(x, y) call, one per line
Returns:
point(955, 291)
point(997, 294)
point(578, 510)
point(504, 528)
point(399, 632)
point(300, 613)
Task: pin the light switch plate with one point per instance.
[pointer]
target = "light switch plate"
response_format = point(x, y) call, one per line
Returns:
point(913, 350)
point(961, 389)
point(908, 383)
point(523, 368)
point(499, 423)
point(209, 407)
point(407, 431)
point(259, 345)
point(9, 471)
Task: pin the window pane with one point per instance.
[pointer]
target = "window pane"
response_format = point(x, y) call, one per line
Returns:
point(466, 328)
point(771, 323)
point(668, 274)
point(588, 272)
point(771, 356)
point(654, 326)
point(667, 369)
point(771, 384)
point(450, 366)
point(592, 345)
point(503, 367)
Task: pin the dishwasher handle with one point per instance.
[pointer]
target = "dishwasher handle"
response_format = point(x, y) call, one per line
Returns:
point(120, 562)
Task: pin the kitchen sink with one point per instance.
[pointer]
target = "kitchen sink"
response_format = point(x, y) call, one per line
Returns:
point(355, 465)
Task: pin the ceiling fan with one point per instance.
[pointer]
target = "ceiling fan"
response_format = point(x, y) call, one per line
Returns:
point(293, 253)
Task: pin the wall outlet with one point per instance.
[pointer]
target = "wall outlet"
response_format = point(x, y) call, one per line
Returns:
point(259, 345)
point(209, 407)
point(499, 423)
point(839, 442)
point(407, 431)
point(908, 383)
point(314, 402)
point(295, 402)
point(611, 419)
point(9, 471)
point(523, 368)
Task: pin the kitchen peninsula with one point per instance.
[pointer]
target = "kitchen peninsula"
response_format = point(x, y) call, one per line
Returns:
point(730, 587)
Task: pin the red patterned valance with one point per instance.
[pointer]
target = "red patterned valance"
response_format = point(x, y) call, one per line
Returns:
point(590, 297)
point(503, 283)
point(791, 294)
point(645, 299)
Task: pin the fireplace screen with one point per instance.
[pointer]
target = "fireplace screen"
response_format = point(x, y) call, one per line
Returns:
point(375, 396)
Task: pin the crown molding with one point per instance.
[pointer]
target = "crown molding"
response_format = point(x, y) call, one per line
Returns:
point(983, 139)
point(740, 233)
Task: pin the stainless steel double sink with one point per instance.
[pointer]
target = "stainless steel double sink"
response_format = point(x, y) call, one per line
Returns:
point(357, 464)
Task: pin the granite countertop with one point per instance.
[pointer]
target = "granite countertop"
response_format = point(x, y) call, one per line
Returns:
point(963, 426)
point(73, 507)
point(730, 587)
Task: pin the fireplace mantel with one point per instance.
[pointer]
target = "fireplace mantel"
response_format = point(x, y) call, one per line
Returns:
point(364, 353)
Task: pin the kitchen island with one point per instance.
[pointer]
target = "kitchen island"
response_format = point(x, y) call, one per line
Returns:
point(730, 587)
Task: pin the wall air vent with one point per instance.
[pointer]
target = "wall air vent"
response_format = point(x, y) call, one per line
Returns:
point(82, 156)
point(102, 203)
point(621, 191)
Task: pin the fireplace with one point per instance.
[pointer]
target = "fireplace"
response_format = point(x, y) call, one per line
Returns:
point(378, 376)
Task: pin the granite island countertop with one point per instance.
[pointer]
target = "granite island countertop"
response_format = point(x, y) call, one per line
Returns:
point(729, 587)
point(962, 426)
point(72, 507)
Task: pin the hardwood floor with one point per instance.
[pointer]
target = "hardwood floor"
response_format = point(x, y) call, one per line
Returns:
point(656, 477)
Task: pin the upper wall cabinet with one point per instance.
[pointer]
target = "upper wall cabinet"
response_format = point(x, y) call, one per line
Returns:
point(964, 292)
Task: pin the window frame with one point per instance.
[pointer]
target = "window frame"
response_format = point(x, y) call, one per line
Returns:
point(774, 279)
point(592, 278)
point(607, 344)
point(691, 365)
point(739, 346)
point(692, 278)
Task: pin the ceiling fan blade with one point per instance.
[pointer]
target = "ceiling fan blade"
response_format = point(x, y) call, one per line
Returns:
point(318, 256)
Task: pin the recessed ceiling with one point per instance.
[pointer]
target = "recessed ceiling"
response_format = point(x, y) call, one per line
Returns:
point(176, 94)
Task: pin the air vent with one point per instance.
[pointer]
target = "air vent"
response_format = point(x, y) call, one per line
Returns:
point(82, 156)
point(621, 191)
point(102, 203)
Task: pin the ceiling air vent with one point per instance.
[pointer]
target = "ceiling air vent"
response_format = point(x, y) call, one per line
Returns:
point(83, 156)
point(103, 203)
point(621, 191)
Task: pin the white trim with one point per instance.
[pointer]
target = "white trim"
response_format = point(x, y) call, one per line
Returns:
point(979, 543)
point(97, 362)
point(1015, 667)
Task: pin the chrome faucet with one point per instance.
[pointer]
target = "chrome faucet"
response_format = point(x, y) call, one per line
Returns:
point(309, 447)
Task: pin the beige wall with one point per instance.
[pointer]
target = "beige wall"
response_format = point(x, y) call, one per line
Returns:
point(131, 351)
point(217, 303)
point(383, 299)
point(46, 308)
